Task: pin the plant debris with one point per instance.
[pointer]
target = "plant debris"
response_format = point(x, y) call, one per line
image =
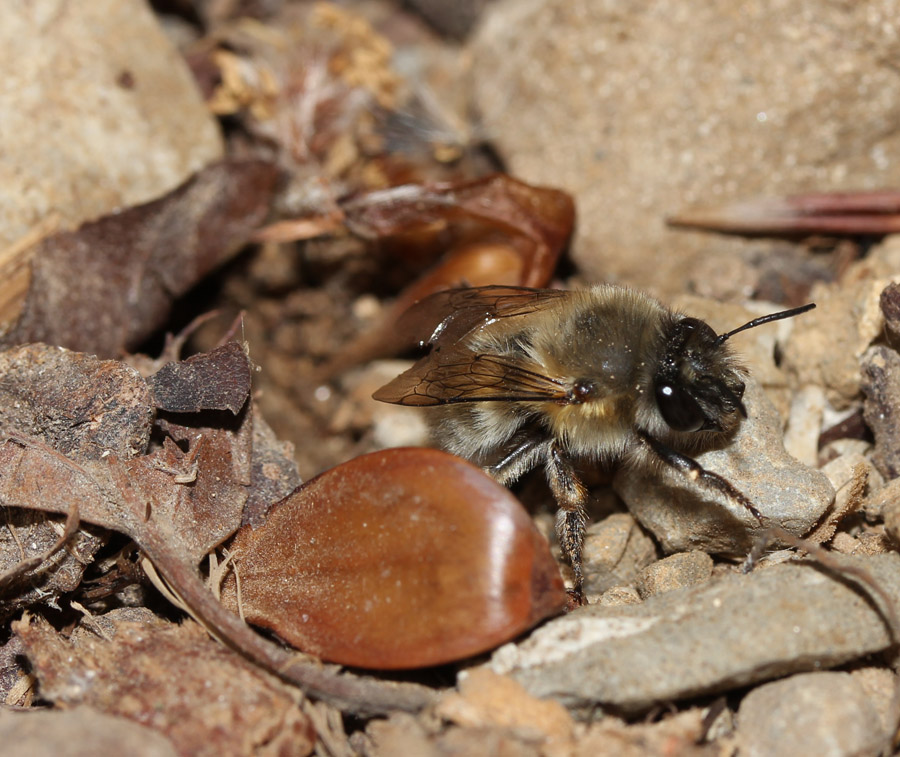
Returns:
point(137, 262)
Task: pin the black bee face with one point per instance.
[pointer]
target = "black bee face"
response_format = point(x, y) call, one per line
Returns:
point(698, 386)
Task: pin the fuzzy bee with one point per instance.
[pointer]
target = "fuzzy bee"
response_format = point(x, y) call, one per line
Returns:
point(524, 377)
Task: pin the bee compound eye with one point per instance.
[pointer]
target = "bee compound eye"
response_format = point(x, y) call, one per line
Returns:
point(679, 410)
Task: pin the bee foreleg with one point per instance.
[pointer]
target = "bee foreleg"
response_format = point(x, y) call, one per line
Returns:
point(690, 468)
point(571, 497)
point(527, 451)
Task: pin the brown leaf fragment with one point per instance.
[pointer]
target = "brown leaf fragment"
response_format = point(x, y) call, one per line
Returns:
point(84, 407)
point(216, 380)
point(108, 285)
point(27, 564)
point(235, 709)
point(273, 475)
point(79, 732)
point(198, 494)
point(50, 556)
point(519, 232)
point(34, 476)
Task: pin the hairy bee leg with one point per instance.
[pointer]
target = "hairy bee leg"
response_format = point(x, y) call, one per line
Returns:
point(690, 468)
point(524, 456)
point(571, 497)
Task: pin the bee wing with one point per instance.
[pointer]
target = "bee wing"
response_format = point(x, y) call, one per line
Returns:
point(454, 374)
point(446, 317)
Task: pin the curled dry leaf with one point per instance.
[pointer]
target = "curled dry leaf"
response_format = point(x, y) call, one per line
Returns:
point(538, 219)
point(400, 559)
point(108, 285)
point(521, 232)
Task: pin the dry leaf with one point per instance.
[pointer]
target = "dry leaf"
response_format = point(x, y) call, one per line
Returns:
point(107, 286)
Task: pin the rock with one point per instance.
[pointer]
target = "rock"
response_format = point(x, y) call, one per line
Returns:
point(641, 109)
point(685, 517)
point(890, 308)
point(620, 595)
point(81, 732)
point(99, 112)
point(827, 350)
point(878, 685)
point(615, 550)
point(881, 385)
point(801, 438)
point(826, 714)
point(675, 572)
point(399, 734)
point(731, 632)
point(453, 19)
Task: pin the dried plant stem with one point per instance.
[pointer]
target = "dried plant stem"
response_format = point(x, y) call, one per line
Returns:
point(31, 563)
point(349, 693)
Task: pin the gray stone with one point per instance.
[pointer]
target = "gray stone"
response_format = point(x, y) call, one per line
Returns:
point(641, 109)
point(684, 516)
point(615, 550)
point(81, 732)
point(99, 112)
point(825, 714)
point(675, 572)
point(733, 631)
point(620, 595)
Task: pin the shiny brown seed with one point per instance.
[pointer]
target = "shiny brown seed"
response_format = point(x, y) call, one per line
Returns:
point(399, 559)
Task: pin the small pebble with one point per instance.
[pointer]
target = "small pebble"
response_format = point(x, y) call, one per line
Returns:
point(823, 714)
point(674, 572)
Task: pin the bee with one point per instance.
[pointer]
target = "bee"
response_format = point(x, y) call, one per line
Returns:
point(518, 378)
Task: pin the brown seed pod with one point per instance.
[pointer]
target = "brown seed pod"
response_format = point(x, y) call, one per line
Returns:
point(404, 558)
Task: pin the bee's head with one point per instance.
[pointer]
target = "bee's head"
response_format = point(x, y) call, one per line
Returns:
point(699, 385)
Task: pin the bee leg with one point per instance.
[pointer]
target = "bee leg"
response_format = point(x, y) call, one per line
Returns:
point(527, 451)
point(571, 497)
point(689, 467)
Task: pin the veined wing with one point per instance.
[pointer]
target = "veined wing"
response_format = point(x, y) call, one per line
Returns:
point(446, 317)
point(454, 374)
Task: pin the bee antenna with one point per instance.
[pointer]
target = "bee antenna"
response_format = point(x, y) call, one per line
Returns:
point(765, 319)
